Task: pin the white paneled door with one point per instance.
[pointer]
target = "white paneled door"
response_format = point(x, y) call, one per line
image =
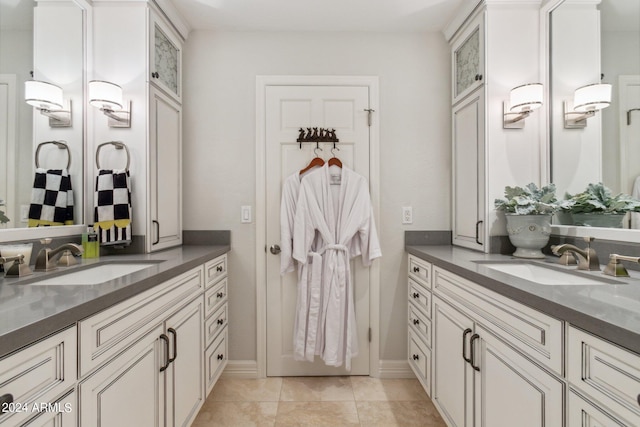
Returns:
point(288, 108)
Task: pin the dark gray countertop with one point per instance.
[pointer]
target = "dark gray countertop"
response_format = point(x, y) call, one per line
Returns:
point(611, 311)
point(29, 312)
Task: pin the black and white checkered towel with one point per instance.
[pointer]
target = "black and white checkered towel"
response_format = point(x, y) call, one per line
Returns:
point(51, 198)
point(113, 207)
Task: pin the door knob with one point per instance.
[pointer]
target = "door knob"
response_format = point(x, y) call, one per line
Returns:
point(275, 249)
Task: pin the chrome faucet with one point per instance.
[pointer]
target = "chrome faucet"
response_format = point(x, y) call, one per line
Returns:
point(587, 258)
point(46, 256)
point(615, 267)
point(18, 269)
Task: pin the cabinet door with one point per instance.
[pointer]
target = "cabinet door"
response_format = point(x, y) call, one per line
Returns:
point(129, 390)
point(185, 375)
point(61, 413)
point(511, 390)
point(468, 223)
point(165, 57)
point(583, 413)
point(165, 164)
point(467, 59)
point(452, 384)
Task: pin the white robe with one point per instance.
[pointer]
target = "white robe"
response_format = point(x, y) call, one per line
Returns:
point(309, 276)
point(338, 217)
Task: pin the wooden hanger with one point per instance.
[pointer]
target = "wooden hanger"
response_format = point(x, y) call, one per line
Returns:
point(316, 161)
point(334, 161)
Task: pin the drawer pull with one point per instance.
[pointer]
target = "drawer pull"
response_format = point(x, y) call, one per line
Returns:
point(175, 344)
point(474, 337)
point(5, 399)
point(219, 268)
point(220, 295)
point(220, 321)
point(220, 356)
point(416, 357)
point(416, 269)
point(416, 321)
point(165, 338)
point(639, 399)
point(416, 295)
point(464, 345)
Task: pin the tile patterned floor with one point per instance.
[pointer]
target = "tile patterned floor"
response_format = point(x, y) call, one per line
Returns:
point(318, 401)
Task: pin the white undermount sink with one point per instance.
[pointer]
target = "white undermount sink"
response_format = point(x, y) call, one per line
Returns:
point(545, 275)
point(96, 274)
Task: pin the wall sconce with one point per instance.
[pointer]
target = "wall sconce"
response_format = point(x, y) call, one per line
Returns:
point(586, 101)
point(47, 98)
point(108, 98)
point(522, 101)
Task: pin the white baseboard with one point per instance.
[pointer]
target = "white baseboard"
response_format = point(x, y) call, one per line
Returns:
point(395, 369)
point(241, 369)
point(249, 369)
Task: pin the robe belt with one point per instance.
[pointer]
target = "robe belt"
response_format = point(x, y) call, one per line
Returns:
point(335, 247)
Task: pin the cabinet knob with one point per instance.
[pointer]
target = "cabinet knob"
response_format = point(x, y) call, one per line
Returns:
point(155, 75)
point(416, 357)
point(219, 294)
point(416, 269)
point(416, 295)
point(478, 77)
point(219, 268)
point(6, 399)
point(220, 356)
point(220, 321)
point(416, 321)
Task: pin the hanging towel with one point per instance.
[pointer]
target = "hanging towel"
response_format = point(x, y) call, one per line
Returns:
point(51, 198)
point(113, 207)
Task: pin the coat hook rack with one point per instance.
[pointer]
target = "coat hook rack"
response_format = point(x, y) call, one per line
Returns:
point(317, 135)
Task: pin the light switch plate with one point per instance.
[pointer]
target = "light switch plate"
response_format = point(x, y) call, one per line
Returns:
point(407, 215)
point(245, 214)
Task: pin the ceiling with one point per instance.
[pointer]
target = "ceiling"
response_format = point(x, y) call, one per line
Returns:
point(318, 15)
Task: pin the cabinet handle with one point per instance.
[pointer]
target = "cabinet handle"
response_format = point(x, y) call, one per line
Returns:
point(157, 224)
point(639, 399)
point(478, 232)
point(5, 399)
point(165, 338)
point(175, 344)
point(416, 295)
point(474, 337)
point(220, 321)
point(219, 268)
point(220, 356)
point(416, 321)
point(220, 295)
point(416, 269)
point(416, 357)
point(464, 345)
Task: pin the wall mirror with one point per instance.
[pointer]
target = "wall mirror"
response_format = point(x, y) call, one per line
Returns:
point(40, 40)
point(595, 41)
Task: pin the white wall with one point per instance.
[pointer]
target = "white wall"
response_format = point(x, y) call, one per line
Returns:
point(219, 144)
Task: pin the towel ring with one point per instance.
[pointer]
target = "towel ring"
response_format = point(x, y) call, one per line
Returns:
point(60, 144)
point(119, 146)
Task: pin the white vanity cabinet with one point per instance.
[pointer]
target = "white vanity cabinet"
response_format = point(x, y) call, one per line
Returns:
point(216, 312)
point(467, 59)
point(144, 357)
point(419, 320)
point(495, 362)
point(39, 375)
point(165, 57)
point(604, 381)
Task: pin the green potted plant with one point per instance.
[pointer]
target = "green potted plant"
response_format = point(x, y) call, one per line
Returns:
point(598, 207)
point(528, 211)
point(3, 218)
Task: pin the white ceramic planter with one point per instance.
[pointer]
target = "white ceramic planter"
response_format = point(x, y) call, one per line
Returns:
point(529, 234)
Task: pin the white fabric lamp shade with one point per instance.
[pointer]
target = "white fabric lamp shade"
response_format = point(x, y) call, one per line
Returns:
point(43, 95)
point(592, 97)
point(105, 95)
point(526, 97)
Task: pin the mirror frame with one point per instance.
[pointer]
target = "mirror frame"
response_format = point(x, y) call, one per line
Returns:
point(615, 234)
point(34, 233)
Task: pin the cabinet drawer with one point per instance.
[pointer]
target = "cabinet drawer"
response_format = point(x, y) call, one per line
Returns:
point(583, 413)
point(420, 297)
point(214, 297)
point(420, 323)
point(109, 332)
point(38, 374)
point(215, 324)
point(606, 372)
point(61, 414)
point(420, 361)
point(420, 270)
point(215, 269)
point(216, 359)
point(535, 334)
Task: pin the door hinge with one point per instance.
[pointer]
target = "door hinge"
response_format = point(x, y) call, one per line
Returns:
point(370, 115)
point(369, 334)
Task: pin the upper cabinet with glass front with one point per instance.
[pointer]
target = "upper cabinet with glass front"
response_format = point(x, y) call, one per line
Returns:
point(468, 59)
point(166, 58)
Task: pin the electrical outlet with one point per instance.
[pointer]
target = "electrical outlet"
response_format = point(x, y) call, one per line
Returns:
point(407, 215)
point(245, 215)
